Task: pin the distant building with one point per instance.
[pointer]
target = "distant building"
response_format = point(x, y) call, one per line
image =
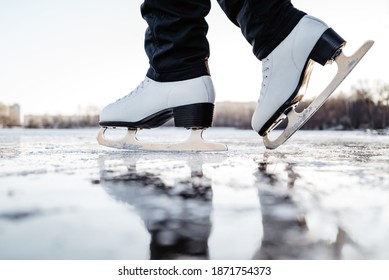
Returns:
point(4, 110)
point(15, 115)
point(10, 115)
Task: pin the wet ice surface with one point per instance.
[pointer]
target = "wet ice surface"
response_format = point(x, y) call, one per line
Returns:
point(322, 195)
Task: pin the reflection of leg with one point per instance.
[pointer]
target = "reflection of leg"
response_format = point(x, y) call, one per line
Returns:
point(286, 234)
point(284, 229)
point(177, 215)
point(181, 235)
point(184, 231)
point(236, 222)
point(175, 40)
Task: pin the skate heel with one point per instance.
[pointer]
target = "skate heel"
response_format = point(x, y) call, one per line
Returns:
point(328, 47)
point(199, 115)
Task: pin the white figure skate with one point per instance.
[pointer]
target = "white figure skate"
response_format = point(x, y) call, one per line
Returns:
point(286, 73)
point(153, 103)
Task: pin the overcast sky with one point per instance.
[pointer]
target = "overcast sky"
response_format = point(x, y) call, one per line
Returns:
point(57, 56)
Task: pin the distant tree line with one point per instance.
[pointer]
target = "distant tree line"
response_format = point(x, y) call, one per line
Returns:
point(233, 114)
point(86, 117)
point(58, 121)
point(363, 107)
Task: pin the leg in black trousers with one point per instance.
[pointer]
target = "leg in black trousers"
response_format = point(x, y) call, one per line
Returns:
point(175, 40)
point(178, 83)
point(264, 23)
point(176, 43)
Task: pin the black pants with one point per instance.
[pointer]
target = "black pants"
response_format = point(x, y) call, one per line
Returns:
point(176, 43)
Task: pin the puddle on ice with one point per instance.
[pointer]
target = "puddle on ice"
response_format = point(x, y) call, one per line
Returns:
point(322, 195)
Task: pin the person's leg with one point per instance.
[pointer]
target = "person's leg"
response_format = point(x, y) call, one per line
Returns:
point(287, 41)
point(264, 23)
point(177, 84)
point(175, 40)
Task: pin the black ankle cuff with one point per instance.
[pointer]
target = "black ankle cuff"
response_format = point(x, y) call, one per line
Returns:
point(192, 72)
point(285, 27)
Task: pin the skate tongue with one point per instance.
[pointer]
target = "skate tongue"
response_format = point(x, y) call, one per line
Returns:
point(265, 70)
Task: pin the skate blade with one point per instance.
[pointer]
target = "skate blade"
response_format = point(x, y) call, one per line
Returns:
point(195, 143)
point(296, 120)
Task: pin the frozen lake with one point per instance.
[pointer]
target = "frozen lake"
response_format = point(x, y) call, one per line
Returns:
point(322, 195)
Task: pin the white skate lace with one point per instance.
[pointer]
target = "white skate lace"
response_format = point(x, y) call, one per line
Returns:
point(139, 87)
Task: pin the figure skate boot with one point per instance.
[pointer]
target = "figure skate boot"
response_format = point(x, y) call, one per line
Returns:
point(286, 72)
point(190, 103)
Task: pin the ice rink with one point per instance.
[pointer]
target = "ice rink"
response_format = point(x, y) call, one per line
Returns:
point(321, 195)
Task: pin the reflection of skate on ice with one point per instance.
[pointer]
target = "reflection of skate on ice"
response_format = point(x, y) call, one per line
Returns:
point(152, 103)
point(286, 73)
